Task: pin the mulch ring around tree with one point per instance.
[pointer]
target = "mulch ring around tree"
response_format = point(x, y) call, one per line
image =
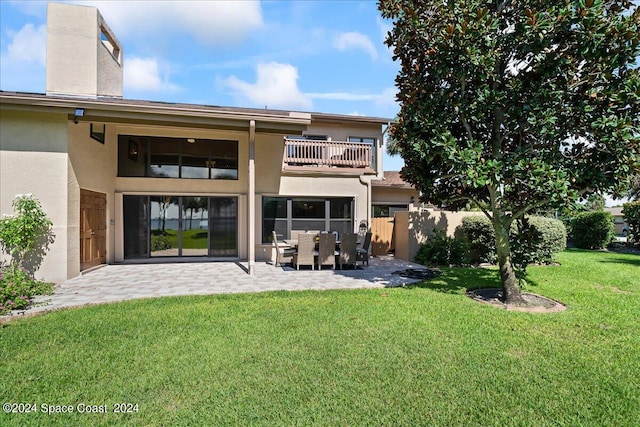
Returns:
point(532, 303)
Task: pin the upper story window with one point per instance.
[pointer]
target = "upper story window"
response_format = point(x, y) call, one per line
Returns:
point(164, 157)
point(366, 139)
point(315, 137)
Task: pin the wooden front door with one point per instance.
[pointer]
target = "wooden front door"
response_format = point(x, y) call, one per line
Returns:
point(93, 229)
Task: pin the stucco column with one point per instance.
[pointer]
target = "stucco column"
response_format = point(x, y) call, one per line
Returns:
point(252, 197)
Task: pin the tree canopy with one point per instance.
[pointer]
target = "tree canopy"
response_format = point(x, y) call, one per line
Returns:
point(634, 188)
point(513, 106)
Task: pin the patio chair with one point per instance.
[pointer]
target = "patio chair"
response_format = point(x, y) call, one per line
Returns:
point(362, 254)
point(327, 250)
point(306, 253)
point(294, 234)
point(282, 253)
point(347, 253)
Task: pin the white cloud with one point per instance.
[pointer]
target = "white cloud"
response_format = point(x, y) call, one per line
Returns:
point(143, 74)
point(22, 65)
point(386, 97)
point(276, 86)
point(343, 96)
point(28, 45)
point(355, 40)
point(210, 22)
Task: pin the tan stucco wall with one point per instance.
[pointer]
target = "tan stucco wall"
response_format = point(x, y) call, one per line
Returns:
point(109, 74)
point(33, 159)
point(92, 166)
point(394, 196)
point(413, 229)
point(77, 61)
point(71, 45)
point(339, 132)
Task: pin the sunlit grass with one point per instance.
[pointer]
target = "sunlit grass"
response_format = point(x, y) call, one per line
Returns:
point(424, 355)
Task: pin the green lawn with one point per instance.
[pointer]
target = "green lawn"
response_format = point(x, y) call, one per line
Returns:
point(424, 355)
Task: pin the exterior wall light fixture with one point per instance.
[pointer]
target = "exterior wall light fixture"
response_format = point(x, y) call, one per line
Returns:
point(79, 113)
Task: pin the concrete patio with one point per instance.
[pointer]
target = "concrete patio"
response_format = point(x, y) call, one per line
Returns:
point(122, 282)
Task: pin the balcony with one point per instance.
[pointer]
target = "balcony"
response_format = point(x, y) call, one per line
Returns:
point(328, 156)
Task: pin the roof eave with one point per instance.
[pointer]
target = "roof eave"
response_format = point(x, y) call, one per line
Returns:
point(113, 109)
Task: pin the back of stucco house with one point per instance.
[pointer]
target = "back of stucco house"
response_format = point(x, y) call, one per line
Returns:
point(140, 181)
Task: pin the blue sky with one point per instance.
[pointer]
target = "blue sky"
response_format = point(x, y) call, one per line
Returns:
point(326, 56)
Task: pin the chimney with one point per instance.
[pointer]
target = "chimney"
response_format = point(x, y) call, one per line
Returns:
point(84, 57)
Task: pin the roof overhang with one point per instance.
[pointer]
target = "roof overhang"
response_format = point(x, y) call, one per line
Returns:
point(341, 118)
point(120, 111)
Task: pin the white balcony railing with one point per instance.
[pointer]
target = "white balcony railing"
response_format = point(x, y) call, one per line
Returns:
point(304, 152)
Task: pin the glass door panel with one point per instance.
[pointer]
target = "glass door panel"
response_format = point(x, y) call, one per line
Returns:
point(136, 226)
point(165, 224)
point(223, 226)
point(195, 226)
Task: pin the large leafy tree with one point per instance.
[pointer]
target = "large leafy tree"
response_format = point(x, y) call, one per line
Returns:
point(513, 106)
point(634, 189)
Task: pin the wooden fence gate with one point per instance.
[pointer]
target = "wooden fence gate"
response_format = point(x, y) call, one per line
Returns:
point(382, 239)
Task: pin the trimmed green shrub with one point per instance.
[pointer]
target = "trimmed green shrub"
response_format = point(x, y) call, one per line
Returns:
point(479, 234)
point(534, 242)
point(18, 287)
point(631, 213)
point(553, 238)
point(441, 249)
point(592, 230)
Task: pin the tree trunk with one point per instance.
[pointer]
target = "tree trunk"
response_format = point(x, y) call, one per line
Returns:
point(510, 287)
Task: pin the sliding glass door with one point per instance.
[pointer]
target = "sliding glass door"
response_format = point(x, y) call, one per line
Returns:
point(136, 227)
point(183, 226)
point(223, 235)
point(195, 226)
point(165, 226)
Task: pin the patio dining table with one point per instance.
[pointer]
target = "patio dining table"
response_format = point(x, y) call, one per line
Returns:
point(294, 242)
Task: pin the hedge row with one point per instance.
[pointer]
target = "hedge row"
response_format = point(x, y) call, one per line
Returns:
point(479, 234)
point(441, 249)
point(545, 238)
point(537, 243)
